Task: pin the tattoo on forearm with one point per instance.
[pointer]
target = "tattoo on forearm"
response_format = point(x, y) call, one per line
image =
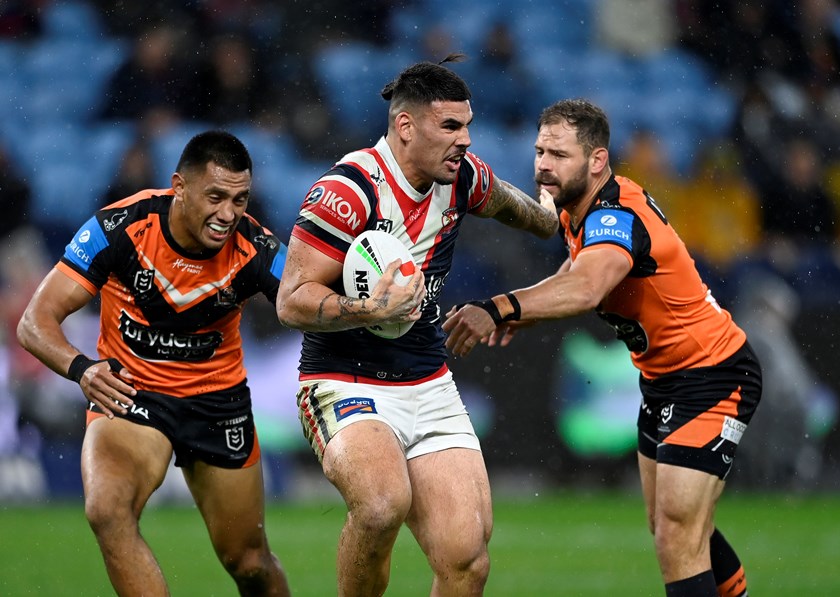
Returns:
point(349, 307)
point(513, 207)
point(319, 316)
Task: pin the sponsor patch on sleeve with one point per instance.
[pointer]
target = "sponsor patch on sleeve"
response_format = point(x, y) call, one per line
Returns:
point(88, 242)
point(353, 406)
point(609, 226)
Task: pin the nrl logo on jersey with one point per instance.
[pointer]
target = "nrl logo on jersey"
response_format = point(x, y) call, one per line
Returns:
point(144, 280)
point(115, 220)
point(235, 438)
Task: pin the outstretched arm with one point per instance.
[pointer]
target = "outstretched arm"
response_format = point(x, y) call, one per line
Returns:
point(517, 209)
point(39, 331)
point(307, 299)
point(576, 288)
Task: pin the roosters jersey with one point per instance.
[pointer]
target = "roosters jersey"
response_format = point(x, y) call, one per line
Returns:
point(662, 310)
point(367, 190)
point(171, 317)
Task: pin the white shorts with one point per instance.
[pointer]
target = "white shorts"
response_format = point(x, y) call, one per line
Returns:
point(426, 417)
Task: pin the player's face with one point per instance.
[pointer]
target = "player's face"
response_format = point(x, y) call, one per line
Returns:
point(560, 166)
point(440, 139)
point(208, 205)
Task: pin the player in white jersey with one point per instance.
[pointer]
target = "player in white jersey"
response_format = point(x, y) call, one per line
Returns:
point(384, 416)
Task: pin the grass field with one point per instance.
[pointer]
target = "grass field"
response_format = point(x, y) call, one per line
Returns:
point(568, 544)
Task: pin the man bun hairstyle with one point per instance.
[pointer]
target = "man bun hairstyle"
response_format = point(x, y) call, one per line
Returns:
point(426, 82)
point(219, 147)
point(590, 122)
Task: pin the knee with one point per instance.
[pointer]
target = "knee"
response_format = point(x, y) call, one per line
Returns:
point(463, 562)
point(106, 514)
point(679, 536)
point(250, 568)
point(380, 513)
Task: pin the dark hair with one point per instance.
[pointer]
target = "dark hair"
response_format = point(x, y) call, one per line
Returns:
point(427, 82)
point(590, 122)
point(219, 147)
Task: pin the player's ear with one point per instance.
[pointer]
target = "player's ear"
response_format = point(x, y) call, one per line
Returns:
point(598, 160)
point(404, 124)
point(178, 185)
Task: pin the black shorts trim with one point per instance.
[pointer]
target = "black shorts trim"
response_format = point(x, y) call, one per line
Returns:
point(216, 428)
point(695, 418)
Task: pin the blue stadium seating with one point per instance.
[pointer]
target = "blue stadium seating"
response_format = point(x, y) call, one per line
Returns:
point(51, 90)
point(74, 19)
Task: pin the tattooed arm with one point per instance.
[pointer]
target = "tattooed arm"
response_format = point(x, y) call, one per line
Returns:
point(307, 299)
point(515, 208)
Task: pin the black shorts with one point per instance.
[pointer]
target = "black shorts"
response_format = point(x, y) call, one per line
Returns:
point(695, 418)
point(216, 428)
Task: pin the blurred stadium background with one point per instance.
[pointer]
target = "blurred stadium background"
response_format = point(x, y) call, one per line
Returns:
point(729, 113)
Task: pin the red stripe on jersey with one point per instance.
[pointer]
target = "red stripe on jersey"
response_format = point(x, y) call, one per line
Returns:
point(481, 191)
point(414, 213)
point(337, 204)
point(314, 241)
point(371, 380)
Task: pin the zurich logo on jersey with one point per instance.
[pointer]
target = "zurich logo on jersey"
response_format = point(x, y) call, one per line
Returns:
point(609, 220)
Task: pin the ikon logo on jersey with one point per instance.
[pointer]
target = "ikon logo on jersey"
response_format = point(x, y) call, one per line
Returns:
point(335, 206)
point(353, 406)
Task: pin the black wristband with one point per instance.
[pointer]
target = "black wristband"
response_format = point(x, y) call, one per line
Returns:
point(78, 366)
point(489, 306)
point(81, 363)
point(517, 308)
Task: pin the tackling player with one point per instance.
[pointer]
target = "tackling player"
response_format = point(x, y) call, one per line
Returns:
point(700, 380)
point(173, 269)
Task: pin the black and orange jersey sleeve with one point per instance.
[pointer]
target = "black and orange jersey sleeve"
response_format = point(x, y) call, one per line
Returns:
point(662, 310)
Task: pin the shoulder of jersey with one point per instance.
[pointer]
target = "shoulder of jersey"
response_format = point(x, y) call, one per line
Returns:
point(366, 260)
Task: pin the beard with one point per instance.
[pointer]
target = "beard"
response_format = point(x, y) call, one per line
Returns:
point(570, 192)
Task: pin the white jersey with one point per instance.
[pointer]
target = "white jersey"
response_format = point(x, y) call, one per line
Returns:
point(367, 190)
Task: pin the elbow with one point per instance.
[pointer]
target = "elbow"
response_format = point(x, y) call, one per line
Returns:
point(288, 316)
point(587, 301)
point(24, 332)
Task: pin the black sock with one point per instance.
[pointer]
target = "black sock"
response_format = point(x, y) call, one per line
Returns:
point(700, 585)
point(727, 568)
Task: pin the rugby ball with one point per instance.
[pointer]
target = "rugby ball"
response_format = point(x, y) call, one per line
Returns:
point(368, 256)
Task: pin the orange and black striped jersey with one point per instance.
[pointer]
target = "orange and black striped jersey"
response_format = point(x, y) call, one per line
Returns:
point(171, 317)
point(662, 310)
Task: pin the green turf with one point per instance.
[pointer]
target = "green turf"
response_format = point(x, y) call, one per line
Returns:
point(569, 544)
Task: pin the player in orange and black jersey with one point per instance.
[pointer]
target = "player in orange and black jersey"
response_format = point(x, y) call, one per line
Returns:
point(173, 269)
point(699, 378)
